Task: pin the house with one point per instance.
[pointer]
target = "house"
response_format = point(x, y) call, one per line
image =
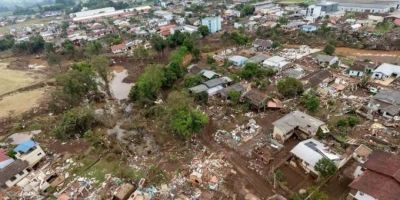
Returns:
point(386, 102)
point(4, 159)
point(314, 11)
point(380, 178)
point(212, 86)
point(237, 87)
point(258, 59)
point(385, 71)
point(360, 68)
point(29, 151)
point(262, 45)
point(310, 151)
point(317, 79)
point(198, 89)
point(275, 62)
point(208, 74)
point(213, 23)
point(256, 99)
point(297, 122)
point(237, 60)
point(361, 153)
point(309, 28)
point(327, 60)
point(118, 48)
point(328, 6)
point(13, 173)
point(367, 6)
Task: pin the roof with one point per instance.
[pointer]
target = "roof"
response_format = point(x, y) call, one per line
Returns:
point(238, 59)
point(259, 58)
point(377, 185)
point(388, 96)
point(256, 97)
point(199, 88)
point(362, 66)
point(325, 58)
point(388, 69)
point(25, 147)
point(117, 47)
point(3, 155)
point(312, 150)
point(235, 87)
point(297, 119)
point(314, 79)
point(215, 82)
point(263, 43)
point(275, 61)
point(382, 177)
point(11, 170)
point(384, 163)
point(208, 73)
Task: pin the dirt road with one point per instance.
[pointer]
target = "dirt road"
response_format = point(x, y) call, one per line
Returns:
point(246, 181)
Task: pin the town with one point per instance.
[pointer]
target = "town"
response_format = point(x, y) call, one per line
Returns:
point(200, 99)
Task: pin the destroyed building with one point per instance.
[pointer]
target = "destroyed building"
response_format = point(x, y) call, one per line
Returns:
point(385, 102)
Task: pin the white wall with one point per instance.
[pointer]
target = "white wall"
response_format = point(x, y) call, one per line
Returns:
point(32, 157)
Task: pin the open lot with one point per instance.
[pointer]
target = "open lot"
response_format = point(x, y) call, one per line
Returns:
point(21, 102)
point(28, 22)
point(13, 79)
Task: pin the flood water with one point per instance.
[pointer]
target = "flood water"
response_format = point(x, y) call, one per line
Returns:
point(374, 55)
point(119, 89)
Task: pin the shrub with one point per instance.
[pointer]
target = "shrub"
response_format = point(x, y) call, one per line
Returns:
point(75, 122)
point(290, 87)
point(325, 167)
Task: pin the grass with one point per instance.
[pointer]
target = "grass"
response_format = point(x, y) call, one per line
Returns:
point(384, 27)
point(110, 164)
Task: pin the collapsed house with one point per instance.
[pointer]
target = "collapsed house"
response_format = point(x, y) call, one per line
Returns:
point(327, 60)
point(379, 179)
point(262, 45)
point(13, 173)
point(310, 151)
point(298, 123)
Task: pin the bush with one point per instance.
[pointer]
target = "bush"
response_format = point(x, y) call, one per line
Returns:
point(192, 80)
point(185, 122)
point(252, 70)
point(75, 122)
point(290, 87)
point(329, 49)
point(148, 85)
point(352, 121)
point(325, 167)
point(311, 102)
point(234, 97)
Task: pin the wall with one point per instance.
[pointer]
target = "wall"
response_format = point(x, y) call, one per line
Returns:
point(10, 183)
point(32, 157)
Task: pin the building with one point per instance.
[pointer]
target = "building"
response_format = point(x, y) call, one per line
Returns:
point(386, 70)
point(310, 151)
point(380, 178)
point(29, 151)
point(314, 11)
point(385, 102)
point(213, 23)
point(258, 59)
point(118, 48)
point(360, 68)
point(237, 87)
point(371, 6)
point(328, 6)
point(237, 60)
point(93, 15)
point(275, 62)
point(13, 173)
point(327, 60)
point(256, 99)
point(299, 123)
point(4, 159)
point(309, 28)
point(262, 45)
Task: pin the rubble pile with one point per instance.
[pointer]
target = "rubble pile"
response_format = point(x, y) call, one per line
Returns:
point(240, 134)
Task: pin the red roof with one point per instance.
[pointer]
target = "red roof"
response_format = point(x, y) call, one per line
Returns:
point(3, 155)
point(397, 22)
point(166, 30)
point(381, 178)
point(118, 47)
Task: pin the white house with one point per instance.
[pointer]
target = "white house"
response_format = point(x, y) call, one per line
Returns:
point(238, 60)
point(309, 152)
point(29, 151)
point(386, 70)
point(275, 62)
point(13, 173)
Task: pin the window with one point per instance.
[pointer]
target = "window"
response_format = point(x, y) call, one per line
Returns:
point(40, 153)
point(13, 178)
point(21, 173)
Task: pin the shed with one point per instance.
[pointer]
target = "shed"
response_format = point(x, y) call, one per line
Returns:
point(238, 60)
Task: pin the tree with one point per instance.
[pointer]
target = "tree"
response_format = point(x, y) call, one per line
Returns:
point(252, 70)
point(7, 42)
point(185, 122)
point(192, 80)
point(93, 48)
point(310, 101)
point(75, 122)
point(290, 87)
point(158, 43)
point(68, 48)
point(100, 64)
point(203, 30)
point(49, 48)
point(73, 86)
point(325, 167)
point(234, 96)
point(148, 85)
point(329, 49)
point(352, 121)
point(54, 59)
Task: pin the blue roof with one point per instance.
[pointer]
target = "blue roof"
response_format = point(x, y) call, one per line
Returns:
point(25, 146)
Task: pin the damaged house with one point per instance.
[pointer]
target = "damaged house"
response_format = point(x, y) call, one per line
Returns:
point(13, 173)
point(327, 60)
point(298, 123)
point(262, 45)
point(385, 102)
point(361, 68)
point(310, 151)
point(29, 151)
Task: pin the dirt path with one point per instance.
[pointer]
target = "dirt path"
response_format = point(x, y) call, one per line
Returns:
point(249, 179)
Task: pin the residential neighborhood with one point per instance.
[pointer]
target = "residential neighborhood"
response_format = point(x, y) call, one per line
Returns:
point(200, 100)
